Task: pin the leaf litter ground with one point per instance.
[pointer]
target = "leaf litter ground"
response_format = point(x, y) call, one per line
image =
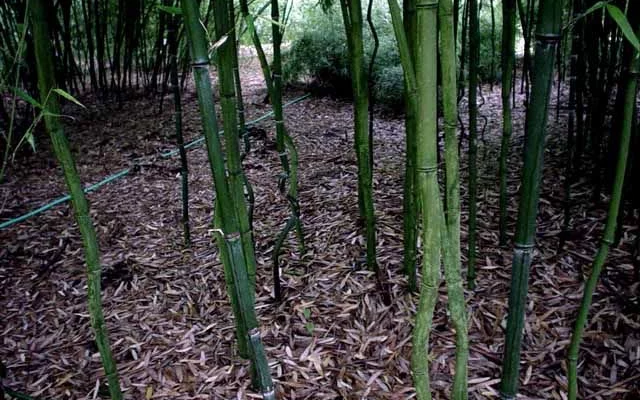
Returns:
point(332, 337)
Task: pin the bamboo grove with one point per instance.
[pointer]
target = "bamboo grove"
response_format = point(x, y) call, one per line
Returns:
point(578, 57)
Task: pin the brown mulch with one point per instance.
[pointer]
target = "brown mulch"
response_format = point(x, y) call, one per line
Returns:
point(332, 337)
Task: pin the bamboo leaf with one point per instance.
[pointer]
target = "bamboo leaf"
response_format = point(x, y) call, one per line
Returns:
point(271, 21)
point(26, 97)
point(67, 96)
point(50, 114)
point(599, 5)
point(31, 140)
point(219, 43)
point(623, 24)
point(170, 10)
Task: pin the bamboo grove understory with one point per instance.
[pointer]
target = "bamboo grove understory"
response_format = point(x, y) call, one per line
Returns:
point(580, 56)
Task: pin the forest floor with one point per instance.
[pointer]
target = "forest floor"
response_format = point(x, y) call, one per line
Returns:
point(332, 337)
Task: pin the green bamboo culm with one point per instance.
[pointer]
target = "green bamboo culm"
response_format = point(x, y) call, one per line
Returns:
point(236, 177)
point(241, 114)
point(547, 39)
point(177, 115)
point(410, 212)
point(610, 226)
point(451, 226)
point(242, 119)
point(353, 23)
point(46, 83)
point(285, 146)
point(474, 61)
point(428, 190)
point(236, 245)
point(508, 61)
point(255, 38)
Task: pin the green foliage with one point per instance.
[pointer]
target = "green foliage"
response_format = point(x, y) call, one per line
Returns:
point(318, 53)
point(486, 50)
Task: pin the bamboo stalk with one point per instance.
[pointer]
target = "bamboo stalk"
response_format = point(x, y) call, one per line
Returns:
point(229, 197)
point(427, 187)
point(508, 62)
point(46, 83)
point(547, 38)
point(184, 167)
point(352, 16)
point(236, 176)
point(284, 145)
point(474, 62)
point(410, 213)
point(610, 226)
point(451, 226)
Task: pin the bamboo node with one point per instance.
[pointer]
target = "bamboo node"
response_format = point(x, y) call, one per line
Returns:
point(427, 170)
point(548, 37)
point(200, 64)
point(232, 237)
point(279, 122)
point(607, 241)
point(450, 125)
point(254, 333)
point(218, 231)
point(522, 246)
point(427, 6)
point(427, 286)
point(283, 153)
point(237, 172)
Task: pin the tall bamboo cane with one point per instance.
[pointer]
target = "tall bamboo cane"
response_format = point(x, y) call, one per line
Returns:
point(285, 146)
point(46, 83)
point(236, 177)
point(287, 152)
point(451, 227)
point(184, 167)
point(353, 22)
point(474, 61)
point(253, 32)
point(610, 226)
point(410, 213)
point(427, 186)
point(236, 244)
point(508, 61)
point(547, 38)
point(435, 228)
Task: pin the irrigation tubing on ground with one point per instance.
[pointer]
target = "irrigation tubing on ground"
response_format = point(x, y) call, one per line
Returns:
point(126, 171)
